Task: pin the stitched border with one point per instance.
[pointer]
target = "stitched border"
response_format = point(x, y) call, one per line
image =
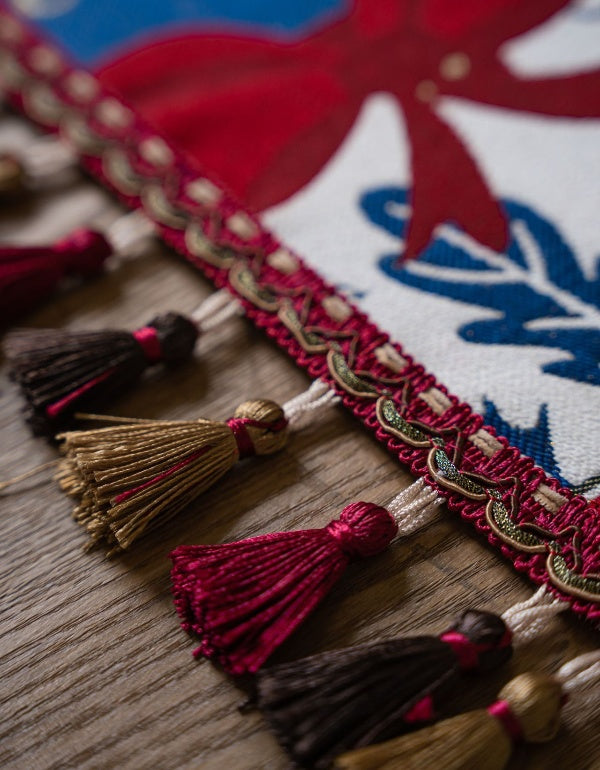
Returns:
point(546, 531)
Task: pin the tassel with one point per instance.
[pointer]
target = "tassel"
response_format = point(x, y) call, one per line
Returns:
point(29, 274)
point(244, 599)
point(398, 683)
point(528, 709)
point(328, 703)
point(62, 372)
point(139, 472)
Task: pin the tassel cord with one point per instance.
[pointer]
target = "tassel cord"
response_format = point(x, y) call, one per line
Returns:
point(47, 157)
point(27, 474)
point(579, 679)
point(414, 507)
point(128, 232)
point(307, 406)
point(216, 309)
point(529, 618)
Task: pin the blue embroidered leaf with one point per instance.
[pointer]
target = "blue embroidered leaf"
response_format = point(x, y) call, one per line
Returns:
point(537, 288)
point(559, 261)
point(536, 442)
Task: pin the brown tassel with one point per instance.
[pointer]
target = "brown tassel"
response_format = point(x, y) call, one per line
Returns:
point(528, 709)
point(327, 703)
point(63, 372)
point(142, 472)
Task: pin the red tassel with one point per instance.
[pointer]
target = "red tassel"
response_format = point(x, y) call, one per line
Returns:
point(62, 372)
point(30, 274)
point(244, 599)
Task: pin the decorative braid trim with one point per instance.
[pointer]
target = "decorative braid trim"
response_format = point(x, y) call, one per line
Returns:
point(546, 531)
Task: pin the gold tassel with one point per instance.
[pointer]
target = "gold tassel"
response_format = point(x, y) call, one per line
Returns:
point(528, 708)
point(138, 472)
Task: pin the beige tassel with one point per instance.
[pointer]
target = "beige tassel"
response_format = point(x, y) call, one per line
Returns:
point(528, 708)
point(140, 472)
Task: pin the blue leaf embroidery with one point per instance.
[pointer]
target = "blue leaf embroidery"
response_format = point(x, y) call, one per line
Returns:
point(537, 288)
point(536, 442)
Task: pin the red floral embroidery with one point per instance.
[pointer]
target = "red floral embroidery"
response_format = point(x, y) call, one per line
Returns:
point(266, 116)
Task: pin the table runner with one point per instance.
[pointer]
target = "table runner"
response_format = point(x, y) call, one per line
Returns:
point(437, 169)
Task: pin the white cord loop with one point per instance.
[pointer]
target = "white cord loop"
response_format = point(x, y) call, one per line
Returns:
point(414, 507)
point(216, 309)
point(129, 231)
point(46, 157)
point(302, 409)
point(581, 673)
point(528, 618)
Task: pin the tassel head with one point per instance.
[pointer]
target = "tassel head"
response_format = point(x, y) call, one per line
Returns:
point(83, 252)
point(363, 530)
point(480, 640)
point(259, 428)
point(535, 701)
point(175, 336)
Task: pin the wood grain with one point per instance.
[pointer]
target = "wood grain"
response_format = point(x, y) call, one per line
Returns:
point(95, 671)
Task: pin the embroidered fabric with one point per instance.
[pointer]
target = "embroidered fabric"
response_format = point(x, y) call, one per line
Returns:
point(542, 528)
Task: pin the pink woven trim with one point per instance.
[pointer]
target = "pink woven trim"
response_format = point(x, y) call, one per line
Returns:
point(215, 233)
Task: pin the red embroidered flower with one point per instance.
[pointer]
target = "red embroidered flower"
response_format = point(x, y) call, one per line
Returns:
point(265, 116)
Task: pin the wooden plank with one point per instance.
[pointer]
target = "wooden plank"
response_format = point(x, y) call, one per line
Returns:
point(95, 671)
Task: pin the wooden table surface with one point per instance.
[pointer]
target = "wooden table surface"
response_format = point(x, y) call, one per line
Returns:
point(95, 671)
